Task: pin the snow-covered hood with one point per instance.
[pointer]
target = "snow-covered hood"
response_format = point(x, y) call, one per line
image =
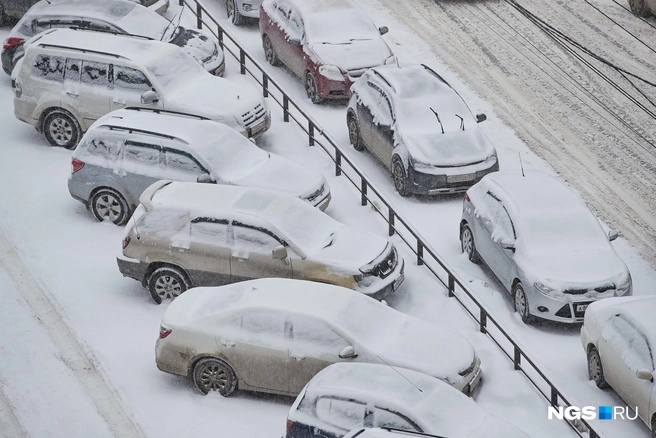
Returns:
point(196, 44)
point(275, 173)
point(453, 148)
point(354, 55)
point(351, 248)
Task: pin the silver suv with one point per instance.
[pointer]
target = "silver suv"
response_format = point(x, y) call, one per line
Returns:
point(127, 150)
point(185, 234)
point(69, 78)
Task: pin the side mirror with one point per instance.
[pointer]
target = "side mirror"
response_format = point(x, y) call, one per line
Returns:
point(279, 253)
point(383, 30)
point(348, 353)
point(508, 244)
point(612, 235)
point(645, 375)
point(149, 97)
point(480, 118)
point(205, 179)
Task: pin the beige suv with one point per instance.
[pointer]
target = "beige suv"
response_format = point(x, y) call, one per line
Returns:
point(186, 234)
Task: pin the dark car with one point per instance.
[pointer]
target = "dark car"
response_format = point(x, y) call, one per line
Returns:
point(419, 127)
point(329, 44)
point(14, 8)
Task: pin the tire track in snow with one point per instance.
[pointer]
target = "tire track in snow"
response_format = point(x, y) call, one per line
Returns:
point(10, 426)
point(72, 353)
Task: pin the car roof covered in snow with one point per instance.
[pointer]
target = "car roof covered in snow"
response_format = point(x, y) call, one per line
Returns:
point(413, 80)
point(640, 310)
point(322, 6)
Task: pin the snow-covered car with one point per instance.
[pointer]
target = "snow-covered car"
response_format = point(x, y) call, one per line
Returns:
point(185, 235)
point(71, 77)
point(273, 335)
point(544, 245)
point(419, 127)
point(643, 8)
point(329, 44)
point(118, 16)
point(14, 8)
point(240, 10)
point(619, 338)
point(346, 396)
point(127, 150)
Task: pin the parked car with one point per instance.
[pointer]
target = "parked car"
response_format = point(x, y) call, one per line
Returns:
point(619, 338)
point(346, 396)
point(543, 244)
point(327, 44)
point(643, 8)
point(419, 127)
point(240, 10)
point(185, 235)
point(69, 78)
point(273, 335)
point(117, 16)
point(127, 150)
point(14, 9)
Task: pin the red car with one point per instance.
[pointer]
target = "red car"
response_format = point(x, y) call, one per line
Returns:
point(327, 43)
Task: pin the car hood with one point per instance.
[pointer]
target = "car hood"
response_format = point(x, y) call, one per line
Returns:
point(453, 148)
point(195, 43)
point(351, 248)
point(275, 173)
point(353, 55)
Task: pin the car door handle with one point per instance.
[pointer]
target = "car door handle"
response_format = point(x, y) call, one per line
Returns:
point(227, 343)
point(299, 358)
point(70, 93)
point(180, 248)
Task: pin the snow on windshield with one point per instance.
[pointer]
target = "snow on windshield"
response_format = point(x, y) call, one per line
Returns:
point(548, 231)
point(321, 28)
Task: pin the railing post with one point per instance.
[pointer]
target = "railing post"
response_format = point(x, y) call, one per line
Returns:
point(199, 16)
point(242, 61)
point(182, 3)
point(363, 191)
point(554, 396)
point(517, 358)
point(265, 85)
point(390, 221)
point(219, 32)
point(420, 253)
point(285, 108)
point(483, 323)
point(338, 162)
point(452, 285)
point(311, 132)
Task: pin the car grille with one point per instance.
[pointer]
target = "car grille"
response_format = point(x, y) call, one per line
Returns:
point(254, 116)
point(213, 55)
point(468, 370)
point(598, 289)
point(387, 265)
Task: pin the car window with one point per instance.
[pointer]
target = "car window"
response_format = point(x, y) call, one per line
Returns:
point(488, 206)
point(100, 146)
point(49, 67)
point(130, 79)
point(386, 418)
point(73, 69)
point(264, 328)
point(251, 239)
point(503, 226)
point(629, 342)
point(94, 73)
point(210, 231)
point(183, 167)
point(281, 12)
point(314, 337)
point(386, 111)
point(141, 158)
point(295, 24)
point(345, 414)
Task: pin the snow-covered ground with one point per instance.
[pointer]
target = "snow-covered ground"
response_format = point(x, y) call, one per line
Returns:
point(71, 260)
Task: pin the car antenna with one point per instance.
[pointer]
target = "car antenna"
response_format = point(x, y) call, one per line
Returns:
point(438, 119)
point(521, 165)
point(397, 371)
point(462, 122)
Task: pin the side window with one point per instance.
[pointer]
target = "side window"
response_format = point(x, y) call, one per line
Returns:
point(249, 239)
point(104, 147)
point(130, 79)
point(489, 206)
point(503, 226)
point(94, 73)
point(387, 113)
point(387, 418)
point(315, 338)
point(210, 231)
point(49, 67)
point(632, 343)
point(295, 24)
point(264, 328)
point(73, 69)
point(281, 12)
point(182, 166)
point(141, 158)
point(345, 414)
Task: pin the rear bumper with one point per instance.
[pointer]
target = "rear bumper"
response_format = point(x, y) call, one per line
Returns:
point(132, 268)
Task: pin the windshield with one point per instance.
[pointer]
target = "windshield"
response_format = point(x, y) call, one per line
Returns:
point(174, 66)
point(557, 233)
point(233, 158)
point(320, 27)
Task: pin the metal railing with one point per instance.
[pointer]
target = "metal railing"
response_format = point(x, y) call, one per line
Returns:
point(397, 224)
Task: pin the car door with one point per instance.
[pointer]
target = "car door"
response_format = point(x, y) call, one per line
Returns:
point(367, 102)
point(314, 346)
point(613, 343)
point(278, 24)
point(257, 349)
point(205, 248)
point(295, 55)
point(139, 165)
point(251, 254)
point(501, 260)
point(382, 136)
point(338, 415)
point(128, 86)
point(486, 210)
point(94, 91)
point(182, 166)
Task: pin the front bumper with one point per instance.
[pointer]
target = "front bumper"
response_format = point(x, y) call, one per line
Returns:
point(132, 268)
point(382, 288)
point(249, 8)
point(429, 184)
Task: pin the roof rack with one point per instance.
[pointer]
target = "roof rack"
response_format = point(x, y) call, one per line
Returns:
point(98, 52)
point(163, 111)
point(140, 131)
point(113, 32)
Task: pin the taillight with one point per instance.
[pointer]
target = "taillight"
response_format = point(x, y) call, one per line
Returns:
point(164, 332)
point(76, 165)
point(466, 197)
point(11, 42)
point(126, 242)
point(290, 424)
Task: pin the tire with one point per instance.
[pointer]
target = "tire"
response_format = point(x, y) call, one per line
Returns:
point(354, 133)
point(595, 369)
point(233, 12)
point(108, 204)
point(311, 88)
point(639, 8)
point(521, 303)
point(214, 375)
point(467, 244)
point(3, 17)
point(269, 52)
point(61, 129)
point(400, 177)
point(653, 426)
point(167, 283)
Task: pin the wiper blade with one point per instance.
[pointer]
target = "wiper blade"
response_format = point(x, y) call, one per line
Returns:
point(438, 119)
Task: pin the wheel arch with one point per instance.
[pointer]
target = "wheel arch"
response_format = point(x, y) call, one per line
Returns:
point(194, 361)
point(43, 112)
point(156, 265)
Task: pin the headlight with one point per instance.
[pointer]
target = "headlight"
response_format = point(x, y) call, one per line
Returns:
point(364, 280)
point(331, 72)
point(623, 286)
point(543, 288)
point(492, 158)
point(391, 60)
point(419, 165)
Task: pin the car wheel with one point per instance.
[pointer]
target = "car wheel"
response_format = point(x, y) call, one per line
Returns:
point(233, 12)
point(400, 178)
point(354, 134)
point(108, 204)
point(167, 283)
point(61, 129)
point(311, 88)
point(639, 8)
point(595, 369)
point(468, 245)
point(269, 52)
point(214, 375)
point(521, 302)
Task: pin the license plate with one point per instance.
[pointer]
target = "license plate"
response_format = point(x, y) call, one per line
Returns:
point(398, 281)
point(581, 307)
point(460, 178)
point(257, 128)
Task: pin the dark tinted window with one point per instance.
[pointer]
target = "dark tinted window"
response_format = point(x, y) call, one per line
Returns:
point(94, 73)
point(130, 79)
point(49, 67)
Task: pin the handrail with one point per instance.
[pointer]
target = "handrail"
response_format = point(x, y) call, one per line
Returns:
point(425, 254)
